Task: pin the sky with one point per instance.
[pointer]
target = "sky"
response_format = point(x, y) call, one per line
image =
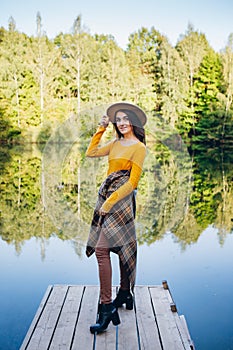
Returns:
point(121, 18)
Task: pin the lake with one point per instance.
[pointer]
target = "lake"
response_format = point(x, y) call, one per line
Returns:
point(43, 235)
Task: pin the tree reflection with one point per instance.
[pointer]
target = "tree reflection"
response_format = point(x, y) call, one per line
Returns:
point(179, 192)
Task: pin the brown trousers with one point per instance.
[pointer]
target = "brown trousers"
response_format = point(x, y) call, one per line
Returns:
point(102, 253)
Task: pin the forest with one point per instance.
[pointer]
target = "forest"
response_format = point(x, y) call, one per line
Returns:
point(43, 81)
point(186, 91)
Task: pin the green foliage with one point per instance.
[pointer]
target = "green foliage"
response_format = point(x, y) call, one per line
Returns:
point(192, 47)
point(8, 133)
point(213, 129)
point(43, 81)
point(204, 201)
point(43, 136)
point(188, 88)
point(208, 84)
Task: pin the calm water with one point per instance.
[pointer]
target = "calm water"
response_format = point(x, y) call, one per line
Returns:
point(194, 253)
point(200, 279)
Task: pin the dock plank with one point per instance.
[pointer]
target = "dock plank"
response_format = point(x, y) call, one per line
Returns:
point(147, 327)
point(181, 324)
point(167, 326)
point(186, 333)
point(36, 318)
point(63, 335)
point(43, 333)
point(83, 339)
point(127, 330)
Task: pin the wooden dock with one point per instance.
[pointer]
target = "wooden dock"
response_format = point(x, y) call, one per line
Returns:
point(63, 318)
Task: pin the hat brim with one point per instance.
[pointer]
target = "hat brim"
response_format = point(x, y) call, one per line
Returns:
point(111, 111)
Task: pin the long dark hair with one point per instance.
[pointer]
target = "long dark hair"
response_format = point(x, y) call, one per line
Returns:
point(138, 129)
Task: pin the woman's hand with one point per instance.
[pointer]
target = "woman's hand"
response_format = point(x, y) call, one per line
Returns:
point(104, 121)
point(102, 212)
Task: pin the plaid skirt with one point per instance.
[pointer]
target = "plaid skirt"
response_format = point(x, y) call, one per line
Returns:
point(117, 225)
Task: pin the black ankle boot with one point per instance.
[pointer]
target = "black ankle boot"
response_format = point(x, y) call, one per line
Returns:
point(107, 313)
point(124, 297)
point(99, 313)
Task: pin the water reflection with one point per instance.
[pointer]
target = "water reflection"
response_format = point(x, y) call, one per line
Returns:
point(179, 192)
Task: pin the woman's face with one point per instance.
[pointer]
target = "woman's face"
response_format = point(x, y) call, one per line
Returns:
point(123, 123)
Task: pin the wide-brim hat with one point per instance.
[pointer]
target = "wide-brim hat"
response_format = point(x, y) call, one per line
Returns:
point(111, 111)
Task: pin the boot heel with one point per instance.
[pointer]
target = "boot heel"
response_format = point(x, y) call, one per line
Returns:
point(115, 318)
point(129, 303)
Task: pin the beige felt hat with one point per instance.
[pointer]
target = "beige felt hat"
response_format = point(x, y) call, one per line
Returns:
point(111, 111)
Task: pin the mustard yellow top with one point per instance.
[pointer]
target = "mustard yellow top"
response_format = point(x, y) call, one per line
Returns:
point(120, 157)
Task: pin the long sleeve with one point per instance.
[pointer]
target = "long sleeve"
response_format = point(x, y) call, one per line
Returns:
point(93, 150)
point(131, 184)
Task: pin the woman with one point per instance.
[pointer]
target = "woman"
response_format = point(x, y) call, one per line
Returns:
point(112, 226)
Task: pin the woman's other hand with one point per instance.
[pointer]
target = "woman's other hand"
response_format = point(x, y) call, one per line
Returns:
point(104, 121)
